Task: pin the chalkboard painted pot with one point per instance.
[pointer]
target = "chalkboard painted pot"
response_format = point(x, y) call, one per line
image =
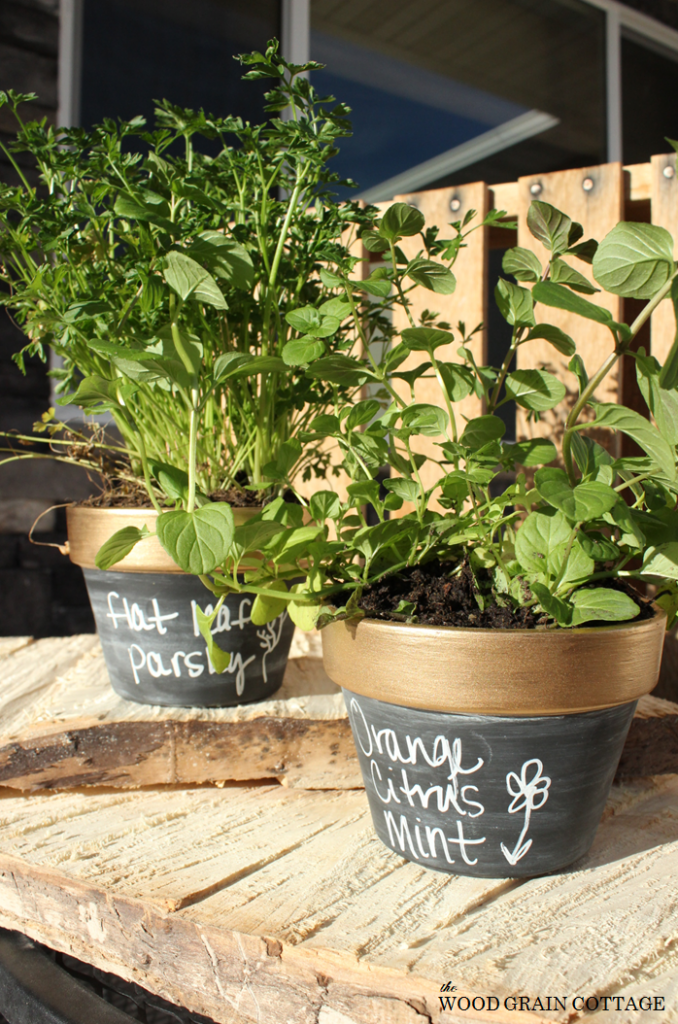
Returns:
point(145, 616)
point(490, 752)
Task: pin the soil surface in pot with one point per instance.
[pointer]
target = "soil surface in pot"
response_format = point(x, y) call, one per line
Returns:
point(128, 495)
point(444, 600)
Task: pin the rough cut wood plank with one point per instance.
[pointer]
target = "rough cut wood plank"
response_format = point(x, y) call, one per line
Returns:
point(202, 898)
point(597, 210)
point(63, 726)
point(69, 730)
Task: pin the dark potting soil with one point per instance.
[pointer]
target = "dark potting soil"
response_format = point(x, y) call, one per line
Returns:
point(132, 495)
point(444, 600)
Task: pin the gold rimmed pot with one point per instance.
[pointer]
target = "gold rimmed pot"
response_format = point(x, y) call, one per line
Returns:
point(490, 752)
point(145, 612)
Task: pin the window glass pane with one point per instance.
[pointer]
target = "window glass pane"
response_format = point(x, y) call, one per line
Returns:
point(519, 84)
point(138, 51)
point(649, 90)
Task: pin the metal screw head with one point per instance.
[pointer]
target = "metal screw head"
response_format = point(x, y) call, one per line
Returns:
point(587, 184)
point(669, 172)
point(455, 204)
point(536, 188)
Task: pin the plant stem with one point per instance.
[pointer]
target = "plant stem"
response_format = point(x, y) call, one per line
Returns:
point(602, 372)
point(192, 449)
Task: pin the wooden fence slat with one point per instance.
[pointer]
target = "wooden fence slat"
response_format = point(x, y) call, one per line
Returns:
point(468, 303)
point(597, 208)
point(665, 214)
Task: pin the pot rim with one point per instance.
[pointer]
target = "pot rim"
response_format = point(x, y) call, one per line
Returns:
point(89, 528)
point(515, 672)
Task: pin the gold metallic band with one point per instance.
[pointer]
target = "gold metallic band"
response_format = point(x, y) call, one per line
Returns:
point(495, 672)
point(88, 528)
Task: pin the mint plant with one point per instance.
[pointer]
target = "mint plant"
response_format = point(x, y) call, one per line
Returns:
point(575, 520)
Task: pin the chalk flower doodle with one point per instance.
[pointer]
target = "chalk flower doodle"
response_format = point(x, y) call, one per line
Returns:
point(529, 794)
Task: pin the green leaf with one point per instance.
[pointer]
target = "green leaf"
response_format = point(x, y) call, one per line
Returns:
point(421, 418)
point(408, 490)
point(563, 273)
point(535, 389)
point(662, 404)
point(515, 304)
point(662, 561)
point(324, 505)
point(425, 339)
point(302, 351)
point(340, 369)
point(362, 413)
point(586, 501)
point(634, 260)
point(252, 537)
point(598, 547)
point(293, 544)
point(197, 541)
point(481, 431)
point(584, 251)
point(559, 297)
point(230, 259)
point(617, 417)
point(226, 365)
point(174, 481)
point(286, 458)
point(560, 341)
point(549, 225)
point(372, 241)
point(92, 390)
point(304, 615)
point(458, 380)
point(220, 659)
point(536, 452)
point(522, 264)
point(311, 321)
point(433, 276)
point(119, 546)
point(553, 606)
point(189, 280)
point(539, 537)
point(601, 603)
point(401, 220)
point(267, 607)
point(376, 284)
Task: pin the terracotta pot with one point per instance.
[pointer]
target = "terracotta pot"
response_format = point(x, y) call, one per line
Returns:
point(145, 616)
point(490, 752)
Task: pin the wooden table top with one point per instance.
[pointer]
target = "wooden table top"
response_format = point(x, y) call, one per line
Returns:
point(267, 903)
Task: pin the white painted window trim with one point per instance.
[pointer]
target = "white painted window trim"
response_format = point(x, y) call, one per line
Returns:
point(70, 62)
point(295, 30)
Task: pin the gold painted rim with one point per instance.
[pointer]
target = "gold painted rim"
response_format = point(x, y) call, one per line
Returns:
point(89, 528)
point(495, 671)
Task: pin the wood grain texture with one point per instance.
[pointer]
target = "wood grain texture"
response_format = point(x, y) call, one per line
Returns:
point(597, 210)
point(63, 727)
point(282, 906)
point(665, 215)
point(468, 304)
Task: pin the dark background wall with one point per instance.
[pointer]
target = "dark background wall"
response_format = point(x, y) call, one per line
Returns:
point(41, 592)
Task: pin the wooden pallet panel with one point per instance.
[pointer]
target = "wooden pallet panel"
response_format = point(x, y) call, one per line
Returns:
point(468, 304)
point(597, 209)
point(282, 907)
point(664, 193)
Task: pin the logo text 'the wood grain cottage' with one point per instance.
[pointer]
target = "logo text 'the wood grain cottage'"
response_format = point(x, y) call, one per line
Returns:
point(451, 1000)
